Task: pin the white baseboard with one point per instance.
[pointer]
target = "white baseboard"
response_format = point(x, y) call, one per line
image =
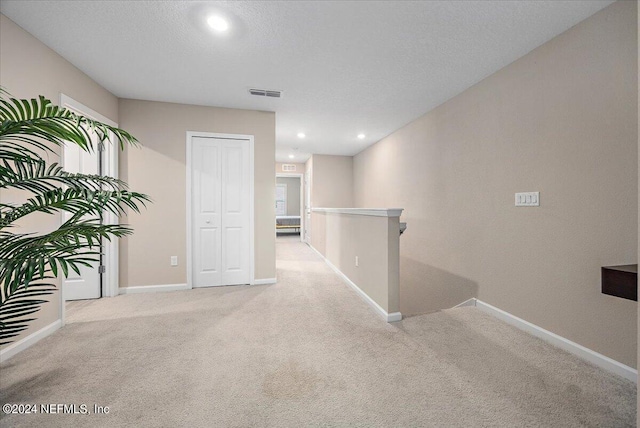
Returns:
point(26, 342)
point(388, 317)
point(153, 288)
point(576, 349)
point(264, 281)
point(470, 302)
point(393, 316)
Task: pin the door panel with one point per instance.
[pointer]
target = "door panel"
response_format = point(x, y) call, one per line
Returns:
point(207, 157)
point(87, 285)
point(234, 185)
point(209, 243)
point(233, 252)
point(221, 197)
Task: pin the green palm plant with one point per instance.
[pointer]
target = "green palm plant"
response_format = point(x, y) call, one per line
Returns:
point(29, 132)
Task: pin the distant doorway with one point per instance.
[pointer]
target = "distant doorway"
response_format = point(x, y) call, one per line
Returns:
point(288, 203)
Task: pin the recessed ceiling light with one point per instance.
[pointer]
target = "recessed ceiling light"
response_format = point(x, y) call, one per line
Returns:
point(218, 23)
point(361, 136)
point(291, 156)
point(301, 135)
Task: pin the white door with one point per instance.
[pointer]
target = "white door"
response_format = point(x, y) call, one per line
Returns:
point(87, 285)
point(281, 200)
point(307, 207)
point(221, 201)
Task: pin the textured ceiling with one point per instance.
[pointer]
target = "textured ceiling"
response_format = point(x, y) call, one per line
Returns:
point(344, 67)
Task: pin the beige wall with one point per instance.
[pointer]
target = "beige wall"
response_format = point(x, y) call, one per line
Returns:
point(563, 121)
point(293, 193)
point(28, 68)
point(331, 186)
point(159, 170)
point(300, 167)
point(331, 181)
point(342, 237)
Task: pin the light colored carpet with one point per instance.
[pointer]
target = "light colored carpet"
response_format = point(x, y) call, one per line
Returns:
point(303, 352)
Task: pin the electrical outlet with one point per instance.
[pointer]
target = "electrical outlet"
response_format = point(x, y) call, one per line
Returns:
point(528, 199)
point(174, 260)
point(357, 261)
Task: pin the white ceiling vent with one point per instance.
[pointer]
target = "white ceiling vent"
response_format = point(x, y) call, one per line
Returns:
point(265, 93)
point(287, 167)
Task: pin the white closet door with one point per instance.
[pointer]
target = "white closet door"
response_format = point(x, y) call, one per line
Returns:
point(221, 201)
point(87, 284)
point(207, 242)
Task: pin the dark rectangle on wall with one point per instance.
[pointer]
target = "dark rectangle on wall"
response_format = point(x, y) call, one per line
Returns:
point(620, 281)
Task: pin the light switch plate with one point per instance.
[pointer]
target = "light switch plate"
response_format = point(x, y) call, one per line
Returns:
point(174, 260)
point(528, 199)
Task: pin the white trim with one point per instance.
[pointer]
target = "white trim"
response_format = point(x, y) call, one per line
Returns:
point(377, 212)
point(302, 200)
point(576, 349)
point(470, 302)
point(264, 281)
point(306, 207)
point(26, 342)
point(68, 102)
point(250, 139)
point(252, 196)
point(388, 317)
point(188, 207)
point(153, 288)
point(110, 280)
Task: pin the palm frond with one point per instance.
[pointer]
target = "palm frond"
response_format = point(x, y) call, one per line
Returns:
point(16, 307)
point(13, 150)
point(34, 121)
point(78, 202)
point(25, 257)
point(29, 132)
point(36, 176)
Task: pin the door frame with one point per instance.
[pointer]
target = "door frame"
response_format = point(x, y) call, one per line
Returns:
point(109, 157)
point(306, 207)
point(189, 149)
point(301, 177)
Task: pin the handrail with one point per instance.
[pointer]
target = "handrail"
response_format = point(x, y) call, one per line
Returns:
point(377, 212)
